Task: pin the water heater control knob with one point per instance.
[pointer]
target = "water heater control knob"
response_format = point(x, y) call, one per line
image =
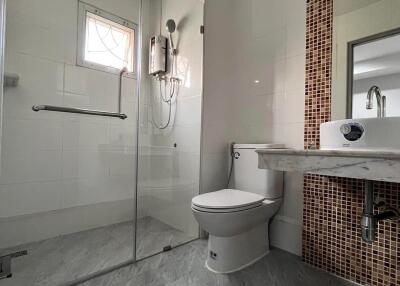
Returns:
point(345, 129)
point(352, 131)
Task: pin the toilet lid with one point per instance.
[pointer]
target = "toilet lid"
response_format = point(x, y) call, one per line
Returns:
point(227, 199)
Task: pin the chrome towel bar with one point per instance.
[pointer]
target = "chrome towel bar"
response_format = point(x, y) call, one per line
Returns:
point(37, 108)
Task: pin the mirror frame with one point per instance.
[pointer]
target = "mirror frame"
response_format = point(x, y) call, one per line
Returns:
point(350, 64)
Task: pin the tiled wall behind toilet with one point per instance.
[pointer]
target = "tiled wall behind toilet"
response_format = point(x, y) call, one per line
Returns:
point(333, 206)
point(254, 93)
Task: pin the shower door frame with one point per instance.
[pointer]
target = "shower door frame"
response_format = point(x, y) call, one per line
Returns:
point(2, 53)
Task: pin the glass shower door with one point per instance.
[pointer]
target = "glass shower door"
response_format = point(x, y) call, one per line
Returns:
point(67, 181)
point(170, 126)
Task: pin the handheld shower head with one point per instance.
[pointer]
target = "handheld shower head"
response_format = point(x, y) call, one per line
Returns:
point(170, 26)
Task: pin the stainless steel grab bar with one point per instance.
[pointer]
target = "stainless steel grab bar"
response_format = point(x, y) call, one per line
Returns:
point(37, 108)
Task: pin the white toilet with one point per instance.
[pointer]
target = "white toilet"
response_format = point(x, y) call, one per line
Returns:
point(237, 219)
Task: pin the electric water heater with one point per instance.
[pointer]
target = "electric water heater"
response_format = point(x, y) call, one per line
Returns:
point(158, 55)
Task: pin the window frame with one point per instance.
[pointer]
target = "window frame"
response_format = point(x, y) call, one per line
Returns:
point(83, 8)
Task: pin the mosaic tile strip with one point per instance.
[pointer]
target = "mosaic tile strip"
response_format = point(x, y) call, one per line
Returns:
point(333, 206)
point(318, 69)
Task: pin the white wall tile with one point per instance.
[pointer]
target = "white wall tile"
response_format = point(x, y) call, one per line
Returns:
point(295, 39)
point(83, 133)
point(50, 16)
point(41, 82)
point(128, 107)
point(286, 234)
point(121, 137)
point(395, 13)
point(295, 73)
point(29, 26)
point(188, 111)
point(270, 46)
point(256, 93)
point(294, 106)
point(50, 224)
point(129, 89)
point(188, 138)
point(32, 134)
point(27, 166)
point(90, 191)
point(76, 100)
point(293, 196)
point(75, 80)
point(84, 164)
point(122, 163)
point(29, 198)
point(381, 10)
point(264, 14)
point(124, 8)
point(271, 76)
point(214, 172)
point(295, 12)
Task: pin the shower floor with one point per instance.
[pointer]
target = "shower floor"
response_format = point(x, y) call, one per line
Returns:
point(68, 257)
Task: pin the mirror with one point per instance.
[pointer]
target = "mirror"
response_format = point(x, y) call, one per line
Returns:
point(374, 68)
point(366, 59)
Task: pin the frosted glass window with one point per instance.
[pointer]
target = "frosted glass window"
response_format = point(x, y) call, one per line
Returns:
point(108, 44)
point(106, 41)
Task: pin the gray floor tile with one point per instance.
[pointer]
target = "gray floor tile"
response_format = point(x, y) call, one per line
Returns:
point(68, 257)
point(184, 266)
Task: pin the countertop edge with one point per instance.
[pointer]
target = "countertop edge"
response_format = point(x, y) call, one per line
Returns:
point(377, 154)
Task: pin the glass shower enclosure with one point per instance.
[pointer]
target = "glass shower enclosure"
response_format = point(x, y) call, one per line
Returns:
point(169, 132)
point(99, 158)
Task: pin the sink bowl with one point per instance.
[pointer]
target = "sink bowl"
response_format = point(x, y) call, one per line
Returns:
point(361, 134)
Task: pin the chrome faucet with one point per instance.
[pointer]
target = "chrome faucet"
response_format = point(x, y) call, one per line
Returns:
point(381, 100)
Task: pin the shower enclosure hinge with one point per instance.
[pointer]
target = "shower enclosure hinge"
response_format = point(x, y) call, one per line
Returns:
point(201, 29)
point(5, 263)
point(167, 248)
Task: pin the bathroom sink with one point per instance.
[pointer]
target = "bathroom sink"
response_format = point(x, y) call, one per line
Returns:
point(361, 134)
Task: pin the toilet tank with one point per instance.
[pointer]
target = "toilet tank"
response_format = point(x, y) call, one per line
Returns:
point(249, 178)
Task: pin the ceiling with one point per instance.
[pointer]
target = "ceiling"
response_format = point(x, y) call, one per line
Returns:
point(378, 58)
point(341, 7)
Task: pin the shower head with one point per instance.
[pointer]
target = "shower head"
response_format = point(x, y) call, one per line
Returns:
point(171, 26)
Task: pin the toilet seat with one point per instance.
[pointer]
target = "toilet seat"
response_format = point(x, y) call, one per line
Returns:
point(225, 210)
point(227, 200)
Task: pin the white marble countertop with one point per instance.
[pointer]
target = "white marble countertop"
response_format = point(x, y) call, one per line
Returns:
point(380, 165)
point(378, 153)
